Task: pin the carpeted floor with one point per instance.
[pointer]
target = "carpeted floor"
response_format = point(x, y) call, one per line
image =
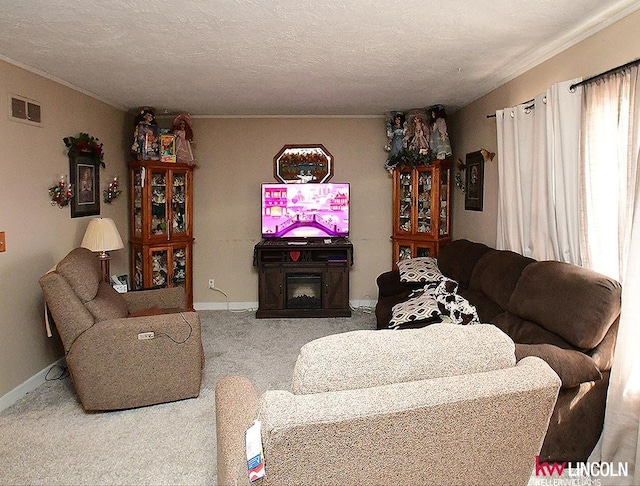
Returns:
point(47, 439)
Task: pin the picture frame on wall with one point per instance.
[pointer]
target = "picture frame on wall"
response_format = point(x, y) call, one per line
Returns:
point(303, 163)
point(85, 179)
point(474, 194)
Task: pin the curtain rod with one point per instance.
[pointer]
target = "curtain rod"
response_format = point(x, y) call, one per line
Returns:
point(602, 75)
point(592, 78)
point(530, 106)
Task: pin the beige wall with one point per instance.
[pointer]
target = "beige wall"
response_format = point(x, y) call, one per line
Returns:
point(38, 234)
point(471, 130)
point(235, 155)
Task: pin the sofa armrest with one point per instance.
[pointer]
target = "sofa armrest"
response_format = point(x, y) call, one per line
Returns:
point(236, 409)
point(602, 354)
point(389, 285)
point(165, 298)
point(573, 367)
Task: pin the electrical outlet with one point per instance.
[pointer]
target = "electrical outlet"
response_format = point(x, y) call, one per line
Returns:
point(212, 284)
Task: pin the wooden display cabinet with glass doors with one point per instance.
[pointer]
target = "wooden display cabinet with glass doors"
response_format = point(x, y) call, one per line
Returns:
point(162, 225)
point(421, 210)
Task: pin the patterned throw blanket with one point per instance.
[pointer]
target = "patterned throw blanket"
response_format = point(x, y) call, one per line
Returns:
point(436, 301)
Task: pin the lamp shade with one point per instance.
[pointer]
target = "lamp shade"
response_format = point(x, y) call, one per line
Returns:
point(102, 235)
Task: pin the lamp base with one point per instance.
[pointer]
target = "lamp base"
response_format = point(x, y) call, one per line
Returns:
point(105, 264)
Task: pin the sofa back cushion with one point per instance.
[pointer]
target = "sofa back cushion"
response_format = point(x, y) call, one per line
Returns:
point(70, 315)
point(457, 259)
point(573, 302)
point(523, 331)
point(81, 270)
point(496, 275)
point(364, 359)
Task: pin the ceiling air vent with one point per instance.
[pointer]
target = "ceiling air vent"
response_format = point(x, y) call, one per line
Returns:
point(25, 110)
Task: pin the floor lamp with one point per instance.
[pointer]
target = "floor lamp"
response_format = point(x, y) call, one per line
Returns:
point(102, 237)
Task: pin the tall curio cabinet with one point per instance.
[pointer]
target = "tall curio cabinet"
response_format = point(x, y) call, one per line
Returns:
point(162, 225)
point(421, 210)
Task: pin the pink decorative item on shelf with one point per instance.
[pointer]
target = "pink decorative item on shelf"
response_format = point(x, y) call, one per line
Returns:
point(184, 138)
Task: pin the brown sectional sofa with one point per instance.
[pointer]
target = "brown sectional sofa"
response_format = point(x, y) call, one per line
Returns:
point(563, 313)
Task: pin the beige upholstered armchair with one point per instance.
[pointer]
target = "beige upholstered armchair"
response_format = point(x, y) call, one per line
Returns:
point(445, 404)
point(123, 350)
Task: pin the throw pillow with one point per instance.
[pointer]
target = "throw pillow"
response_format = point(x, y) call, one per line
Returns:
point(418, 308)
point(420, 269)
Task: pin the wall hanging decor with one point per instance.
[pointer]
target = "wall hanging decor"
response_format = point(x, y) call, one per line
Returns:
point(85, 178)
point(459, 175)
point(303, 163)
point(462, 167)
point(112, 191)
point(86, 146)
point(62, 193)
point(473, 195)
point(85, 159)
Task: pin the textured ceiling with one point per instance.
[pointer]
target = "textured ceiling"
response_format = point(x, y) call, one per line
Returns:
point(286, 57)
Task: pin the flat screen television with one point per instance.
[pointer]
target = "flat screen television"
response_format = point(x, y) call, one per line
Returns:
point(305, 210)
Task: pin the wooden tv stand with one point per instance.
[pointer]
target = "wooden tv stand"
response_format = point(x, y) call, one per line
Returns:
point(303, 278)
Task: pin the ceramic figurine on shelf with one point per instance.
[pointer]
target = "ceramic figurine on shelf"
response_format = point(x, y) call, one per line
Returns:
point(184, 138)
point(156, 263)
point(440, 143)
point(146, 135)
point(178, 222)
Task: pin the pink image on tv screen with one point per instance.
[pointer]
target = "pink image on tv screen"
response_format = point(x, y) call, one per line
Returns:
point(305, 210)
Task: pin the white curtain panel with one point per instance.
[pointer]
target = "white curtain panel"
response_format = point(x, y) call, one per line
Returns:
point(538, 154)
point(611, 219)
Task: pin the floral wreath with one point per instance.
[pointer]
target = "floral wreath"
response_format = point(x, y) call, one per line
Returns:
point(85, 145)
point(409, 158)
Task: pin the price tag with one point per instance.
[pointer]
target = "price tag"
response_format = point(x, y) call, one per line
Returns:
point(255, 455)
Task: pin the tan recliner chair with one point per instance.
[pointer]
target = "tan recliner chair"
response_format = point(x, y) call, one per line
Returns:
point(111, 366)
point(445, 404)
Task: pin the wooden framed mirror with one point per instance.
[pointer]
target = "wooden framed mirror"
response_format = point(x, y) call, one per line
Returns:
point(303, 163)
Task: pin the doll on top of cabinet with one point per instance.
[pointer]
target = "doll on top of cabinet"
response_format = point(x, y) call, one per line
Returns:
point(146, 135)
point(440, 143)
point(184, 138)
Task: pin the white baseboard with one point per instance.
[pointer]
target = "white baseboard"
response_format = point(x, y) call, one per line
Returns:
point(235, 306)
point(28, 386)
